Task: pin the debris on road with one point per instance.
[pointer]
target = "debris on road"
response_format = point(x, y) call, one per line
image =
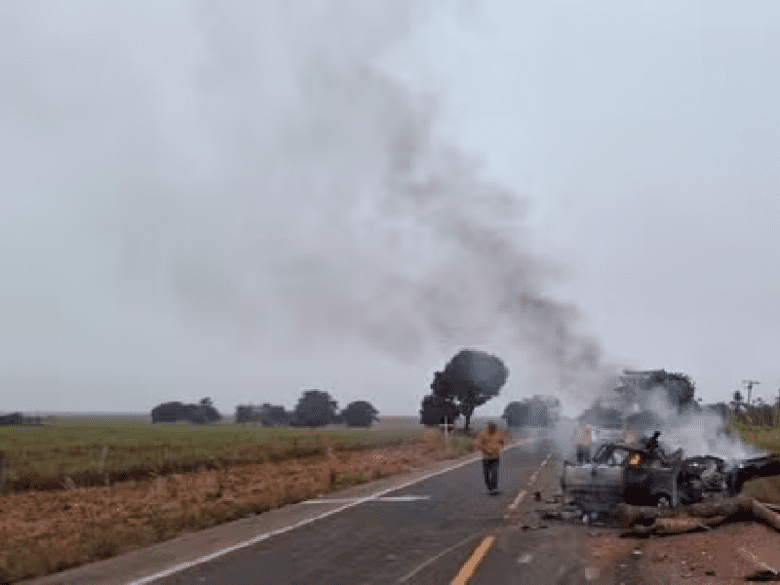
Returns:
point(643, 520)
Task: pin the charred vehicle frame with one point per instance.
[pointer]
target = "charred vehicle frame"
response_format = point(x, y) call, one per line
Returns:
point(646, 477)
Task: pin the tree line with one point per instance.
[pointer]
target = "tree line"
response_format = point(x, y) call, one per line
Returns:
point(17, 418)
point(315, 408)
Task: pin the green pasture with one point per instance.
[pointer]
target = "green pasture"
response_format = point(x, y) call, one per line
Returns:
point(764, 437)
point(41, 456)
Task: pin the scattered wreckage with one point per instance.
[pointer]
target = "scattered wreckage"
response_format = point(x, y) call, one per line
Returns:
point(641, 476)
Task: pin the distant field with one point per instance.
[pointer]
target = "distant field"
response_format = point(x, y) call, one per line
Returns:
point(99, 450)
point(764, 438)
point(768, 439)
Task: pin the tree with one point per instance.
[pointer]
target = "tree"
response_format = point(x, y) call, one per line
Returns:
point(644, 420)
point(315, 408)
point(533, 412)
point(470, 379)
point(169, 412)
point(680, 390)
point(359, 414)
point(435, 409)
point(601, 416)
point(205, 412)
point(268, 415)
point(678, 387)
point(273, 415)
point(515, 414)
point(177, 411)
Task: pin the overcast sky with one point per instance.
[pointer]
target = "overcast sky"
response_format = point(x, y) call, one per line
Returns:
point(243, 200)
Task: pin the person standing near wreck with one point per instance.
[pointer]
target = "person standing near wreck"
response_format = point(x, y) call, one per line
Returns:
point(490, 441)
point(584, 438)
point(652, 446)
point(630, 436)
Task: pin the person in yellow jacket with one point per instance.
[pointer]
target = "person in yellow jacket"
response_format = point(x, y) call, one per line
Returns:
point(490, 441)
point(630, 436)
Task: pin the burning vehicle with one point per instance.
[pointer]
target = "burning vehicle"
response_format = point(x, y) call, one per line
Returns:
point(646, 476)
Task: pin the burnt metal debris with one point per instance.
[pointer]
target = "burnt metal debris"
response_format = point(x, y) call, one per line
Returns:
point(647, 476)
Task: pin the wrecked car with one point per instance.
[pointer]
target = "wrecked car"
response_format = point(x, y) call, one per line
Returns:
point(648, 477)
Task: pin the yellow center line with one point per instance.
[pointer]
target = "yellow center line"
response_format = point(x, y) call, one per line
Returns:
point(467, 571)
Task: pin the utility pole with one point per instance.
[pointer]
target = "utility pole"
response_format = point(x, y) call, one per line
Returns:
point(749, 384)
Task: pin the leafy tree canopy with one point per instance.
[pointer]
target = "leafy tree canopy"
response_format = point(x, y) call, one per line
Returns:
point(315, 408)
point(470, 378)
point(176, 411)
point(435, 409)
point(360, 414)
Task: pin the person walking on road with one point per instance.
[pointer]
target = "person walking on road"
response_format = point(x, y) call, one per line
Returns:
point(490, 441)
point(584, 442)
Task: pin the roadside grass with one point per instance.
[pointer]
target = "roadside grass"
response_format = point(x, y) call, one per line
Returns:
point(766, 438)
point(86, 453)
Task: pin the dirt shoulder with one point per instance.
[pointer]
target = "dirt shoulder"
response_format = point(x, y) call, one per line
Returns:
point(719, 557)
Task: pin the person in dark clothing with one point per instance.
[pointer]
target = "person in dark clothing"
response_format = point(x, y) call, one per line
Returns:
point(652, 446)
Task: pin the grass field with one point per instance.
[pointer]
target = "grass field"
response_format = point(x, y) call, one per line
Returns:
point(96, 452)
point(766, 438)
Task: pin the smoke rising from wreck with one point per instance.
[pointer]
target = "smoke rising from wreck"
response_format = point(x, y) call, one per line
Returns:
point(695, 431)
point(204, 178)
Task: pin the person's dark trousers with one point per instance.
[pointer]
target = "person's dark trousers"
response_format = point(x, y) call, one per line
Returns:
point(490, 468)
point(583, 454)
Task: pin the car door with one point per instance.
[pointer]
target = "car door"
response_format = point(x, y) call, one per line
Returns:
point(608, 475)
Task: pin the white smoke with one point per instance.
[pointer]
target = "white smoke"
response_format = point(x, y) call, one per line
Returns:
point(695, 432)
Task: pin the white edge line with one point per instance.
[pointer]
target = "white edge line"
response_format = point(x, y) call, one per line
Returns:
point(261, 537)
point(378, 499)
point(435, 558)
point(517, 500)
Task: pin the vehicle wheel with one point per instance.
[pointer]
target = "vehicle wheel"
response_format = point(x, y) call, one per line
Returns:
point(663, 501)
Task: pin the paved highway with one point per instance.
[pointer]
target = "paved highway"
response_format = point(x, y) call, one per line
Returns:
point(423, 533)
point(429, 526)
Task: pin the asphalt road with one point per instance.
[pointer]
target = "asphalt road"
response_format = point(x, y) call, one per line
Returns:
point(399, 540)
